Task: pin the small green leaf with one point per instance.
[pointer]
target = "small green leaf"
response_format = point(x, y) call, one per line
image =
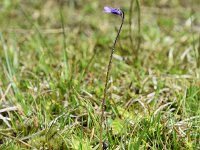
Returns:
point(118, 126)
point(78, 144)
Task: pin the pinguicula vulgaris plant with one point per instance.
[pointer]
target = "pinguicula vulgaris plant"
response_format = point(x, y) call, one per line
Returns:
point(120, 13)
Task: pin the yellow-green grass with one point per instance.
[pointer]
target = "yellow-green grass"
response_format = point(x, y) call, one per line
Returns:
point(53, 62)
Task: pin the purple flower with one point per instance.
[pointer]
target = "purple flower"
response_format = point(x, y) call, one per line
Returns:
point(112, 10)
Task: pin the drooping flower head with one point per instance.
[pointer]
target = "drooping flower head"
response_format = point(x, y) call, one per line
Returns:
point(112, 10)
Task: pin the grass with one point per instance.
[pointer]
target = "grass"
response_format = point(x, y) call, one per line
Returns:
point(53, 62)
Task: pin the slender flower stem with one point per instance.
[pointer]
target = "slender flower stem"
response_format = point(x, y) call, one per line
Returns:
point(107, 80)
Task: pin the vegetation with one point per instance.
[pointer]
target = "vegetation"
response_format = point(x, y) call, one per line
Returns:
point(53, 62)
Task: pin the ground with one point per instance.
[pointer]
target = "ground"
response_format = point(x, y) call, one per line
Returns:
point(53, 62)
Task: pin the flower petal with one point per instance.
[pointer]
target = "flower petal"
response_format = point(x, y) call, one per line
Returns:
point(107, 9)
point(112, 10)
